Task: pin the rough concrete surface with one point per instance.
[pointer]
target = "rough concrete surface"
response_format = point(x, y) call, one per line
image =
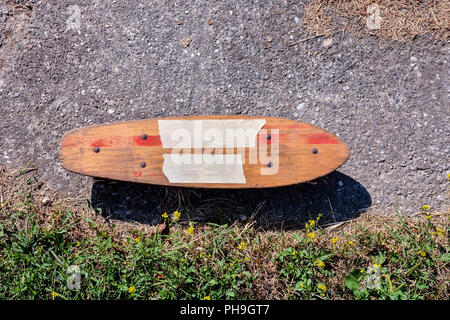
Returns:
point(70, 63)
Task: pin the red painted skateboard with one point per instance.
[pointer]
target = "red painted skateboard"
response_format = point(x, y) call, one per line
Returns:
point(205, 151)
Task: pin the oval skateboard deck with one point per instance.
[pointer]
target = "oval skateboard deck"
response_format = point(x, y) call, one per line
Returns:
point(205, 151)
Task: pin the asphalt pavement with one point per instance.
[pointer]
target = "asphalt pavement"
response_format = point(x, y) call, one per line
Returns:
point(68, 64)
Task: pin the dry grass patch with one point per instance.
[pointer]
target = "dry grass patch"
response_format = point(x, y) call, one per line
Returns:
point(21, 192)
point(389, 19)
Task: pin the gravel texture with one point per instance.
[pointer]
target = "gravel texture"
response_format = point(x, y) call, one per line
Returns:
point(125, 60)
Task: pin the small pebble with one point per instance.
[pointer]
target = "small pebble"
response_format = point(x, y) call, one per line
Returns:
point(301, 106)
point(46, 201)
point(327, 42)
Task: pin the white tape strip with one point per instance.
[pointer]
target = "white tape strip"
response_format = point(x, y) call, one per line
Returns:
point(218, 133)
point(219, 171)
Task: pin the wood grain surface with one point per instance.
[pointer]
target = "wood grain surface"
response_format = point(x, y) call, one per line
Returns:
point(132, 151)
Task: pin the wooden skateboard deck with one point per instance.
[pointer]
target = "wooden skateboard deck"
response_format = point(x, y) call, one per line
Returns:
point(205, 151)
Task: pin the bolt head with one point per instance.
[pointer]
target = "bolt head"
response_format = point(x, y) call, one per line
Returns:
point(96, 149)
point(314, 150)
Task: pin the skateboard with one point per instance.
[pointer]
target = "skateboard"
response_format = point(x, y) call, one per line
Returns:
point(205, 151)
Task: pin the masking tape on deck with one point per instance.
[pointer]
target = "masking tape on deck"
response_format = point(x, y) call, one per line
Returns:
point(230, 171)
point(211, 168)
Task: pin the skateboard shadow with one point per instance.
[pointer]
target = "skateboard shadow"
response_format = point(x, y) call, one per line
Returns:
point(336, 196)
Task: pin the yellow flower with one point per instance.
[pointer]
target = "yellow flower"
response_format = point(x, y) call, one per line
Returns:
point(377, 266)
point(322, 287)
point(448, 176)
point(439, 232)
point(320, 263)
point(165, 215)
point(138, 239)
point(246, 258)
point(131, 290)
point(54, 294)
point(77, 244)
point(294, 253)
point(351, 243)
point(311, 235)
point(428, 216)
point(422, 253)
point(334, 240)
point(190, 230)
point(312, 223)
point(201, 255)
point(425, 207)
point(242, 246)
point(182, 259)
point(176, 215)
point(362, 270)
point(207, 298)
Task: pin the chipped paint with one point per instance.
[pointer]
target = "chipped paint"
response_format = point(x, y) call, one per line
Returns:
point(321, 138)
point(151, 141)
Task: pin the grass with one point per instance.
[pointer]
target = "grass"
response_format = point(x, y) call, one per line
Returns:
point(46, 249)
